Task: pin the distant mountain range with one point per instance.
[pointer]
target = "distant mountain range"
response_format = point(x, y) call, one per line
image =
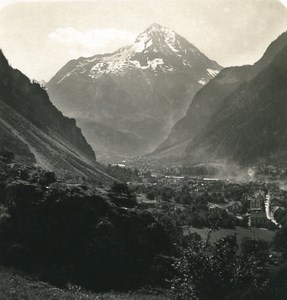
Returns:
point(127, 101)
point(37, 132)
point(240, 115)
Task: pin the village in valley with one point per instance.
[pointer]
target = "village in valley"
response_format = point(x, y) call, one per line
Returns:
point(252, 207)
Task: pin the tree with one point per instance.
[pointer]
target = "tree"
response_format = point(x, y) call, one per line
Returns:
point(150, 196)
point(167, 194)
point(203, 271)
point(250, 246)
point(280, 240)
point(120, 188)
point(186, 199)
point(281, 216)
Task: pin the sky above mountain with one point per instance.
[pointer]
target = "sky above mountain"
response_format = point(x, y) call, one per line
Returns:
point(39, 37)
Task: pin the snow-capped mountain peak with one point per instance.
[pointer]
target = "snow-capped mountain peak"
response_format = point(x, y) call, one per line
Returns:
point(161, 39)
point(135, 94)
point(156, 50)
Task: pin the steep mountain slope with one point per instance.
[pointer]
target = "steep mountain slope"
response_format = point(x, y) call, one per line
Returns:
point(251, 122)
point(140, 90)
point(209, 99)
point(33, 129)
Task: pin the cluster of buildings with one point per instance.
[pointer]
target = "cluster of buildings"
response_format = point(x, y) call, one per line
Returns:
point(258, 215)
point(263, 205)
point(254, 201)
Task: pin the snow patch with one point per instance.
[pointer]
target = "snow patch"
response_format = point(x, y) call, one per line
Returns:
point(150, 64)
point(186, 63)
point(140, 43)
point(67, 75)
point(118, 67)
point(213, 73)
point(155, 62)
point(170, 40)
point(149, 43)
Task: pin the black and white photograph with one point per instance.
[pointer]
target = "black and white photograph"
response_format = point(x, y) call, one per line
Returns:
point(143, 149)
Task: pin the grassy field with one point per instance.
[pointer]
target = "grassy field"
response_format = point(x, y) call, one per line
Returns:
point(240, 232)
point(14, 286)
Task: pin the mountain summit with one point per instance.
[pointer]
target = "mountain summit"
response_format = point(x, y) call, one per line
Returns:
point(157, 49)
point(127, 101)
point(157, 44)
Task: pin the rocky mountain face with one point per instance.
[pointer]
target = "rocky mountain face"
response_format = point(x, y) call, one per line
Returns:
point(215, 99)
point(36, 131)
point(251, 122)
point(135, 94)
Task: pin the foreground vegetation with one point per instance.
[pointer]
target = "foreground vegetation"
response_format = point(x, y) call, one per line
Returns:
point(76, 233)
point(80, 237)
point(14, 286)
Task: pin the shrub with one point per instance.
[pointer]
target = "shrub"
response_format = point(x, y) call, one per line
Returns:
point(203, 271)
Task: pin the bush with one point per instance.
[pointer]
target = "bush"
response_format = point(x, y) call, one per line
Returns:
point(203, 271)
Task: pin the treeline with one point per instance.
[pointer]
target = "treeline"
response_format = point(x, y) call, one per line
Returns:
point(121, 173)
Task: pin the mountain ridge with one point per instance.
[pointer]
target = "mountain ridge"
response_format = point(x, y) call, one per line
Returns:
point(38, 133)
point(250, 126)
point(209, 99)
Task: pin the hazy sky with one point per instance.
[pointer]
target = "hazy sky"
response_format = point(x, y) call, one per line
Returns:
point(39, 37)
